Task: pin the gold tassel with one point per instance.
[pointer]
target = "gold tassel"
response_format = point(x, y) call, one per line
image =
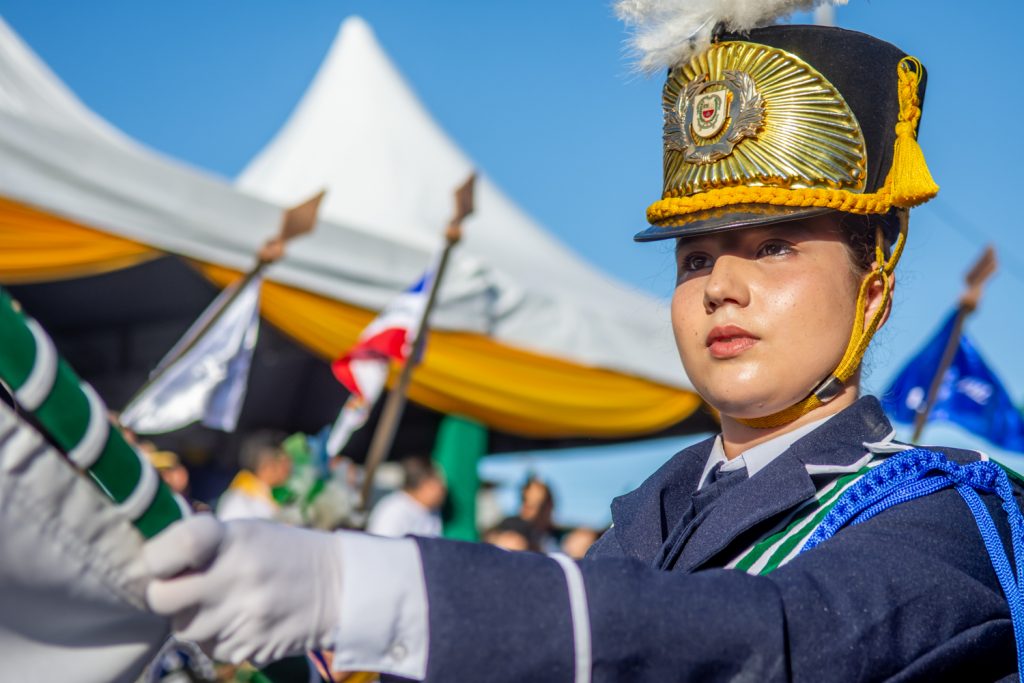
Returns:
point(909, 181)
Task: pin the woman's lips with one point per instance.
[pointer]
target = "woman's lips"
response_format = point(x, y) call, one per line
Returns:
point(729, 341)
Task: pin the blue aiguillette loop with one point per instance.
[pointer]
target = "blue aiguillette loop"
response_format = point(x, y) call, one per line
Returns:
point(919, 472)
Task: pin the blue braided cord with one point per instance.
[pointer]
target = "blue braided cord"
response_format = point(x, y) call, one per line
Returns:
point(897, 470)
point(909, 491)
point(1001, 565)
point(902, 478)
point(1004, 488)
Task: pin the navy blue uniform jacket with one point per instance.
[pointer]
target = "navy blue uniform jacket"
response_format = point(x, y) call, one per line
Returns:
point(908, 595)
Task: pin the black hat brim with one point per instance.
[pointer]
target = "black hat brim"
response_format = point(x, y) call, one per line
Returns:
point(733, 217)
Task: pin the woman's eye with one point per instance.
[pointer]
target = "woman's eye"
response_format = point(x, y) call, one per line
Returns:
point(694, 262)
point(774, 249)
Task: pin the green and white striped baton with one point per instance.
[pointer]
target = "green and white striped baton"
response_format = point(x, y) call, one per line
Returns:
point(75, 419)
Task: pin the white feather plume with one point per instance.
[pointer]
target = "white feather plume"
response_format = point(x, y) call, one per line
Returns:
point(666, 32)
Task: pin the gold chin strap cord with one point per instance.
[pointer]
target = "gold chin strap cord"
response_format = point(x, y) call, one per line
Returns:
point(860, 336)
point(908, 183)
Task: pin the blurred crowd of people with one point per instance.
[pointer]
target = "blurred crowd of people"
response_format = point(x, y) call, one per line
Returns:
point(284, 479)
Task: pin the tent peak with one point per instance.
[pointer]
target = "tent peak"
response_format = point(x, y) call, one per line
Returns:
point(354, 26)
point(356, 46)
point(361, 131)
point(30, 89)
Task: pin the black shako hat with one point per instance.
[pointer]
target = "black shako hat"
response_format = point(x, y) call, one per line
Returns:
point(785, 122)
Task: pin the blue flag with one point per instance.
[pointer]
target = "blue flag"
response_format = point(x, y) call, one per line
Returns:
point(970, 394)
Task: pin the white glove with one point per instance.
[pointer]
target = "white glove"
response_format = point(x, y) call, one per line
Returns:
point(257, 591)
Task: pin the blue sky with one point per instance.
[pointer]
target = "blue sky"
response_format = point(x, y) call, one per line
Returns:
point(541, 96)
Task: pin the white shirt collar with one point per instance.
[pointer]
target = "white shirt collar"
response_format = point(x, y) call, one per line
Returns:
point(757, 457)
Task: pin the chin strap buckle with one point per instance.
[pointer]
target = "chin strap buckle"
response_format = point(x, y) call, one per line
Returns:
point(829, 389)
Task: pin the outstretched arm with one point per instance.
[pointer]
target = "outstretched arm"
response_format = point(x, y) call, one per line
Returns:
point(910, 593)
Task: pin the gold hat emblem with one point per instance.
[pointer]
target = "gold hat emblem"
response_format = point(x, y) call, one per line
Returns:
point(703, 108)
point(744, 114)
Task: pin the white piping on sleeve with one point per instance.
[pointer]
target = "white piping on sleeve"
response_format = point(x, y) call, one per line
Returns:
point(580, 617)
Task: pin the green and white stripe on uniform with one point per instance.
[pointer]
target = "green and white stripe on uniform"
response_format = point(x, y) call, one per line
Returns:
point(784, 541)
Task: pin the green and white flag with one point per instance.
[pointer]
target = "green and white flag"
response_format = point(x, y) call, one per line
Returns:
point(72, 582)
point(205, 375)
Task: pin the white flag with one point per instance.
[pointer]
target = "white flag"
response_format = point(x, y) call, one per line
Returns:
point(209, 380)
point(371, 374)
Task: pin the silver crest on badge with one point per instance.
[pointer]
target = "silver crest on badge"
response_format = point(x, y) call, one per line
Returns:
point(704, 109)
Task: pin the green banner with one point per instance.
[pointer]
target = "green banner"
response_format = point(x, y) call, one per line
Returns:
point(460, 444)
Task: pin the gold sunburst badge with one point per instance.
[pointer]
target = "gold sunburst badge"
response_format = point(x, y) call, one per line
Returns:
point(749, 114)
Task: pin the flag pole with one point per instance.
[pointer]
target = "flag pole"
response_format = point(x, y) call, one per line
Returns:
point(298, 220)
point(391, 416)
point(976, 277)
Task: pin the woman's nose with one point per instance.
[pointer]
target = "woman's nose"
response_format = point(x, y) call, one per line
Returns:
point(726, 284)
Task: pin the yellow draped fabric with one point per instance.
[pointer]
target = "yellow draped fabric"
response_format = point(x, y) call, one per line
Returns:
point(36, 246)
point(468, 374)
point(505, 388)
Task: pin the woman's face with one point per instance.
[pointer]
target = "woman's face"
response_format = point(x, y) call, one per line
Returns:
point(762, 315)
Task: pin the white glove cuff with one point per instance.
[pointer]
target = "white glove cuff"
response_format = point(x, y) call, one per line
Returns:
point(383, 607)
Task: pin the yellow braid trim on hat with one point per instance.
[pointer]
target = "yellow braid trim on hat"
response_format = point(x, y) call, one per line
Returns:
point(663, 211)
point(908, 184)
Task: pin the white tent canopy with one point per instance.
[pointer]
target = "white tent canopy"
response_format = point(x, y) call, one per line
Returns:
point(390, 171)
point(59, 156)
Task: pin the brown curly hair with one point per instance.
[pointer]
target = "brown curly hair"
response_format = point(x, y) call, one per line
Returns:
point(860, 233)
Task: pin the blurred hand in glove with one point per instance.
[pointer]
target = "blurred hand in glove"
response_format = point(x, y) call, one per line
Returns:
point(246, 590)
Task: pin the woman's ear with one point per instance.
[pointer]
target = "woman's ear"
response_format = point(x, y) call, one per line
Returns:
point(876, 298)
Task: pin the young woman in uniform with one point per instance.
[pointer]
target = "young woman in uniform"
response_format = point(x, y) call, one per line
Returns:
point(801, 543)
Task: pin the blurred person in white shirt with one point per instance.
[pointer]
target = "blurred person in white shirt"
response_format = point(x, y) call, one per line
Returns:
point(265, 465)
point(415, 509)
